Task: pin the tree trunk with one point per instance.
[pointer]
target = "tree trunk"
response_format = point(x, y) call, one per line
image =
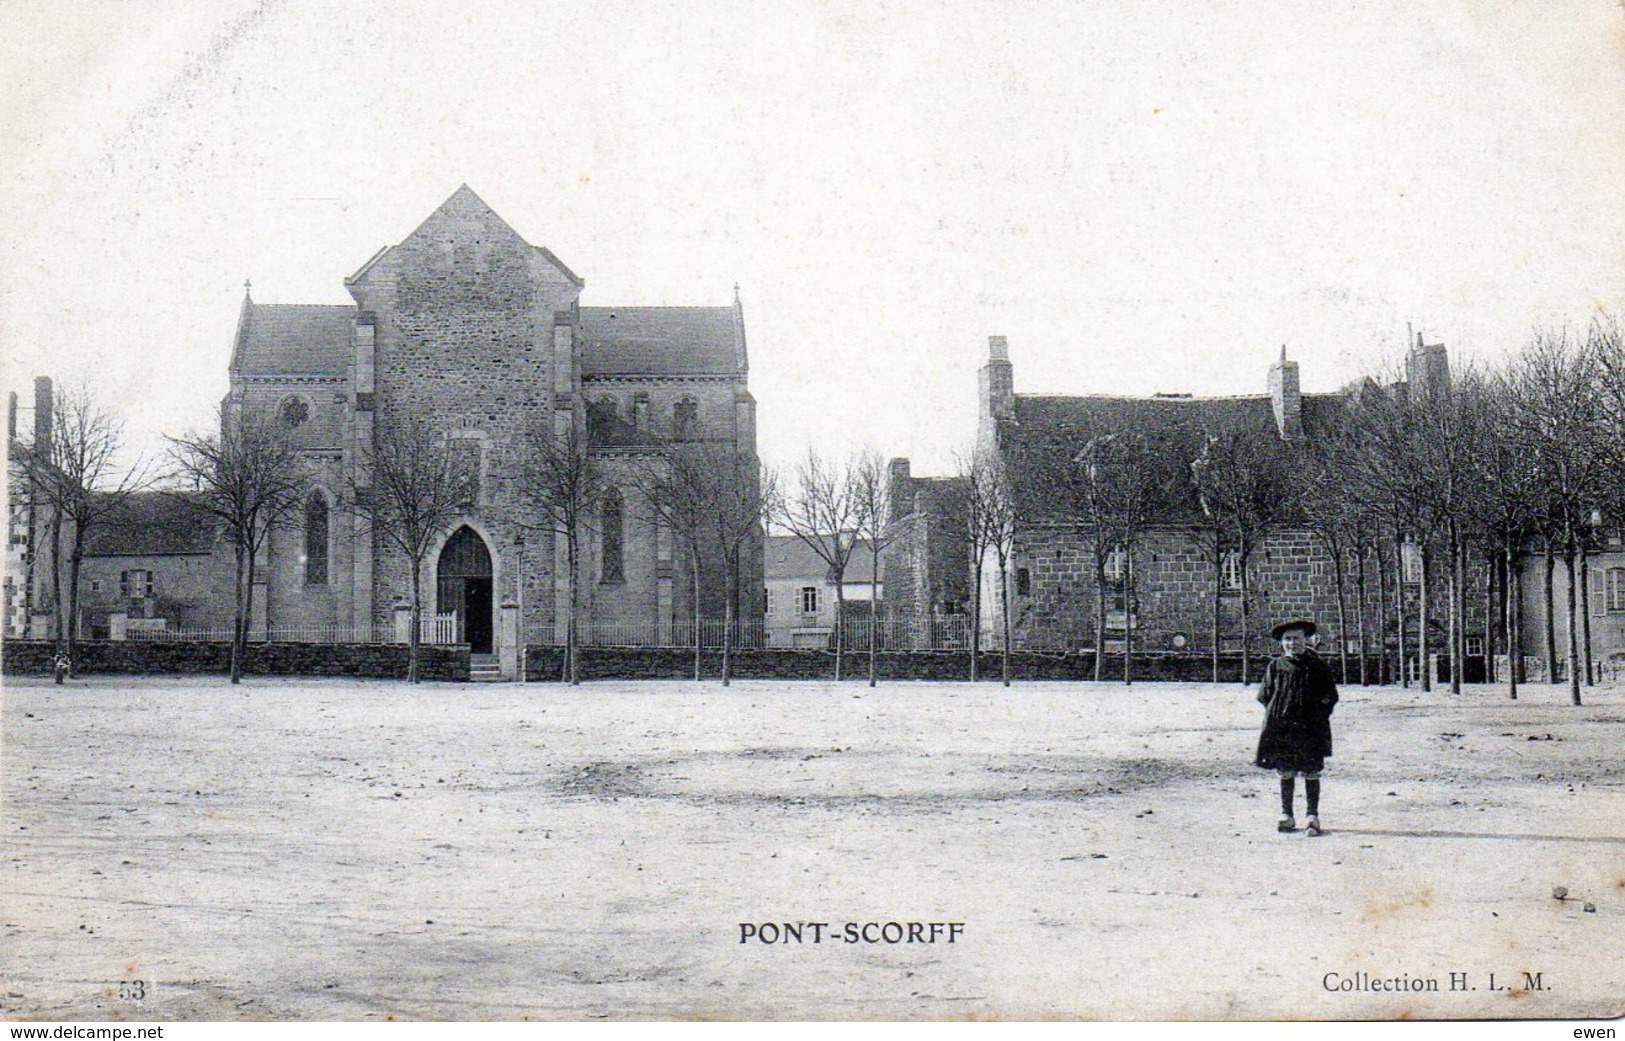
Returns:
point(1585, 615)
point(1246, 621)
point(1399, 608)
point(729, 566)
point(1359, 612)
point(1493, 581)
point(572, 633)
point(694, 608)
point(1514, 640)
point(1004, 610)
point(414, 638)
point(976, 613)
point(1519, 674)
point(1100, 616)
point(248, 599)
point(1342, 614)
point(1128, 614)
point(58, 632)
point(1456, 609)
point(840, 618)
point(1551, 616)
point(237, 620)
point(874, 609)
point(1218, 601)
point(1573, 624)
point(1424, 607)
point(1384, 676)
point(74, 561)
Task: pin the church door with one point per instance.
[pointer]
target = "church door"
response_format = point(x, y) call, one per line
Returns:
point(463, 587)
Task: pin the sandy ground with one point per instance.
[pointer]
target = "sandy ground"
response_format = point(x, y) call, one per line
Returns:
point(295, 849)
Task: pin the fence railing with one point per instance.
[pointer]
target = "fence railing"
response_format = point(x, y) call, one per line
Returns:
point(440, 629)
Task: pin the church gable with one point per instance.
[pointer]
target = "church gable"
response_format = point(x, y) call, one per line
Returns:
point(465, 256)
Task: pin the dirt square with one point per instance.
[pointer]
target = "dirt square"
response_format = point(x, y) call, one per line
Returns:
point(182, 849)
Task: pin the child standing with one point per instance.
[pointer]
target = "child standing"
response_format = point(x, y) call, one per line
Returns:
point(1298, 696)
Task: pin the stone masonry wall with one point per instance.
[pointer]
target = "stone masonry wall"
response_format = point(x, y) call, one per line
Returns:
point(386, 661)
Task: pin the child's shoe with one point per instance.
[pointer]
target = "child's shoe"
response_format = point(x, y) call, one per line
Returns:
point(1313, 826)
point(1286, 823)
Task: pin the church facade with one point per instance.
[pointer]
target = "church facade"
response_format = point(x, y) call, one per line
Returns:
point(469, 327)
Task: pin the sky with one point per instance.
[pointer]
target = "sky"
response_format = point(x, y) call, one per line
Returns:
point(1143, 197)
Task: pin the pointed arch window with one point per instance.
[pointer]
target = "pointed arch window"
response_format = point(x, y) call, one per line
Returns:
point(603, 416)
point(316, 531)
point(685, 418)
point(613, 533)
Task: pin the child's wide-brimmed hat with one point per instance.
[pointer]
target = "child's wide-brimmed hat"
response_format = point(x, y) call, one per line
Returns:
point(1304, 624)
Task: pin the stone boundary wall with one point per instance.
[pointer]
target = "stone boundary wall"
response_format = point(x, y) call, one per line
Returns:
point(95, 657)
point(546, 664)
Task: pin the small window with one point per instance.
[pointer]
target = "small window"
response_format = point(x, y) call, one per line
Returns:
point(1024, 582)
point(1116, 564)
point(767, 601)
point(1615, 590)
point(95, 585)
point(1230, 570)
point(295, 413)
point(809, 599)
point(135, 585)
point(1475, 646)
point(1410, 563)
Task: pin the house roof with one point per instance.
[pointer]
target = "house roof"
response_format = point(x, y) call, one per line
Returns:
point(661, 341)
point(289, 339)
point(1048, 431)
point(787, 557)
point(152, 524)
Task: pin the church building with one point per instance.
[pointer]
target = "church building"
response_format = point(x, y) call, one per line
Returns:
point(470, 327)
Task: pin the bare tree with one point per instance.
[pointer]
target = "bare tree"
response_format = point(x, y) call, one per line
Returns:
point(679, 487)
point(1562, 418)
point(250, 479)
point(560, 475)
point(1244, 483)
point(78, 472)
point(871, 496)
point(411, 486)
point(819, 507)
point(747, 497)
point(717, 500)
point(989, 525)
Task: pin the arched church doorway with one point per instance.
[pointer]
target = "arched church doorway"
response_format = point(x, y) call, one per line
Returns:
point(463, 587)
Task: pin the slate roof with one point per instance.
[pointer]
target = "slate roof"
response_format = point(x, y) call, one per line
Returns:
point(293, 339)
point(152, 524)
point(787, 557)
point(660, 341)
point(1048, 431)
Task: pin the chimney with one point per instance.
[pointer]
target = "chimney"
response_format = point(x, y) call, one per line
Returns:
point(44, 410)
point(1284, 398)
point(11, 418)
point(997, 384)
point(898, 475)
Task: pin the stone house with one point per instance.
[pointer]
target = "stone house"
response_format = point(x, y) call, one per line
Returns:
point(1175, 574)
point(155, 561)
point(467, 325)
point(800, 591)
